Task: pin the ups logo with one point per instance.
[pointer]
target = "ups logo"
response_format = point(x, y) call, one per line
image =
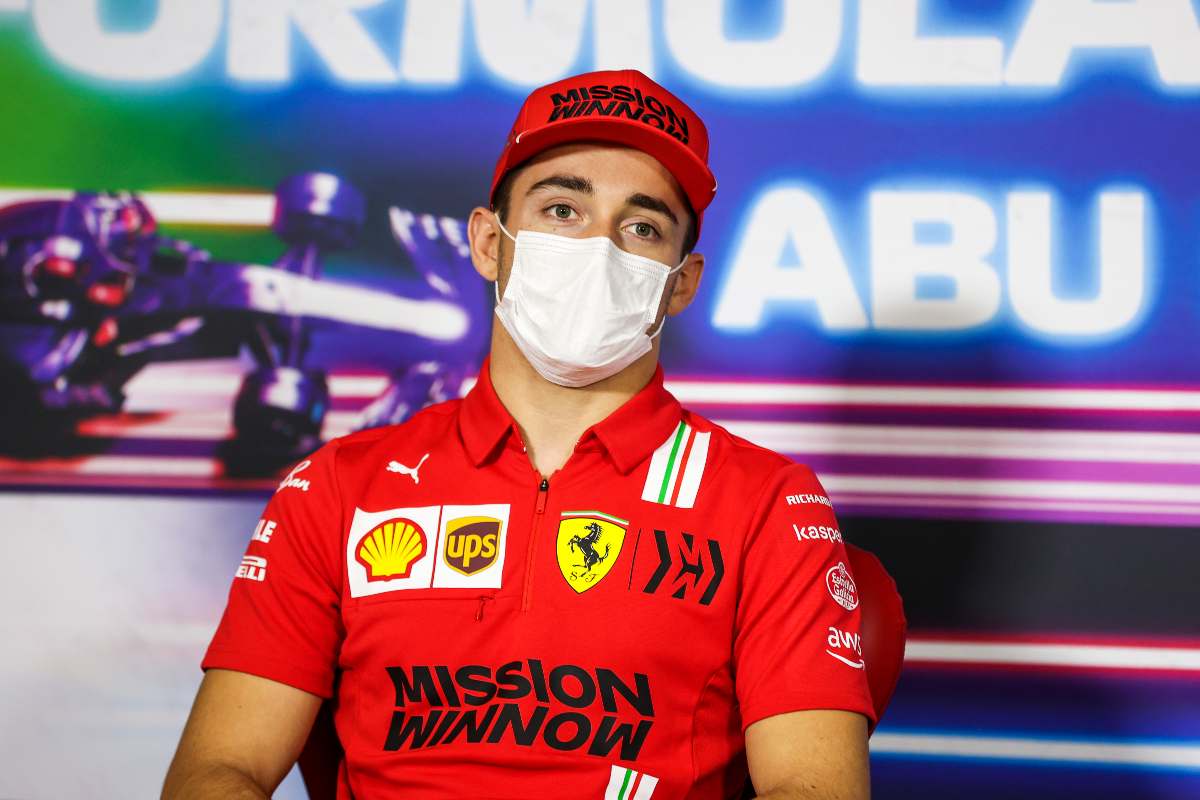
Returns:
point(470, 544)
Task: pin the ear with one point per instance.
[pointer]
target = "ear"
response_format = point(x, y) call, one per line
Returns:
point(483, 235)
point(687, 283)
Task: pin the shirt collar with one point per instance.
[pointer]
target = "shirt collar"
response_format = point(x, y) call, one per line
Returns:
point(629, 434)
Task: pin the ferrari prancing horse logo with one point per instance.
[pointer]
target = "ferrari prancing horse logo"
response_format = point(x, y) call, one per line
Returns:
point(589, 543)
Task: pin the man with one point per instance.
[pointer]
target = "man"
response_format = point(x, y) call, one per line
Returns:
point(563, 585)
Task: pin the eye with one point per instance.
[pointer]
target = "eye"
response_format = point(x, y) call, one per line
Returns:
point(561, 211)
point(644, 230)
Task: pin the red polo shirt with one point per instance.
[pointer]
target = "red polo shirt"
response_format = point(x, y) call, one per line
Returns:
point(609, 632)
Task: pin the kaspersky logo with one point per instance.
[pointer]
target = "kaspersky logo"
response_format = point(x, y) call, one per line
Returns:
point(389, 550)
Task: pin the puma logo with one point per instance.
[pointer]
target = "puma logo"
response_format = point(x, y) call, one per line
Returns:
point(396, 466)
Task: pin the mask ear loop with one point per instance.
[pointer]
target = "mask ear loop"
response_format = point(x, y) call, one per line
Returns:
point(504, 229)
point(670, 272)
point(496, 283)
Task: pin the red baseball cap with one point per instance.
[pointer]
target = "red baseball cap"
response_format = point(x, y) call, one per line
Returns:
point(620, 106)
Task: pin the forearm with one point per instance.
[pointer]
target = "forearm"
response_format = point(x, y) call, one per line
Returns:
point(808, 793)
point(817, 754)
point(217, 782)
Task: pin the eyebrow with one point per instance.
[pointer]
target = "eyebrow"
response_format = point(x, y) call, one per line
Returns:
point(652, 204)
point(575, 183)
point(572, 182)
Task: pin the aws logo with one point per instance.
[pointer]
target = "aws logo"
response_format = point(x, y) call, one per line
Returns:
point(850, 643)
point(470, 544)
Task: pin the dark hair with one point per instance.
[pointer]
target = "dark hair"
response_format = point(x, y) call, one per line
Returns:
point(504, 198)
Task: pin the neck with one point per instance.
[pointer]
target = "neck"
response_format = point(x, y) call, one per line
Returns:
point(551, 418)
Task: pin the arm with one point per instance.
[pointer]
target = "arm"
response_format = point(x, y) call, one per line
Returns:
point(242, 736)
point(273, 657)
point(800, 675)
point(809, 755)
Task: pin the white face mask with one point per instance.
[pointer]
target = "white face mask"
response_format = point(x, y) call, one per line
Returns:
point(578, 309)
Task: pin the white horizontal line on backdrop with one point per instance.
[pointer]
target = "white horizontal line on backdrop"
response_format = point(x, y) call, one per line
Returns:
point(785, 437)
point(1179, 756)
point(223, 377)
point(253, 209)
point(850, 499)
point(1018, 443)
point(742, 393)
point(203, 425)
point(1052, 654)
point(159, 384)
point(134, 467)
point(918, 650)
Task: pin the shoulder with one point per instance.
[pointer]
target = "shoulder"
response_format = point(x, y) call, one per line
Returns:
point(737, 461)
point(427, 428)
point(734, 451)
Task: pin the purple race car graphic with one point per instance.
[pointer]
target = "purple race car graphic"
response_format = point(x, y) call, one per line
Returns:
point(131, 360)
point(91, 295)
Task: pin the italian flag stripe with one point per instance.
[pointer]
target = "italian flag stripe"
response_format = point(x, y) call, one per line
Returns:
point(689, 485)
point(645, 787)
point(677, 467)
point(594, 513)
point(626, 784)
point(683, 460)
point(618, 783)
point(670, 472)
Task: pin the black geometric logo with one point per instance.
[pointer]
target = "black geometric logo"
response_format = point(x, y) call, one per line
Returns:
point(690, 567)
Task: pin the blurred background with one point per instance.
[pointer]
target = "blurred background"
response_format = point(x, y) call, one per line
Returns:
point(953, 265)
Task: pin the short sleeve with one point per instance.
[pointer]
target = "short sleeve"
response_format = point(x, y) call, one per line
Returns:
point(796, 643)
point(283, 618)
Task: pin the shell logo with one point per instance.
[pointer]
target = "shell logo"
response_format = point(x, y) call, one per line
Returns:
point(390, 549)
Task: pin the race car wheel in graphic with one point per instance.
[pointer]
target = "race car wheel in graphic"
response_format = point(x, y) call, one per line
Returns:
point(318, 208)
point(279, 410)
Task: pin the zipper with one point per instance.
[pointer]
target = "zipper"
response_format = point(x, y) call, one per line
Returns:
point(539, 510)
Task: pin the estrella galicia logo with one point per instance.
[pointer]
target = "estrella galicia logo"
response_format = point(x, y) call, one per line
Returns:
point(688, 567)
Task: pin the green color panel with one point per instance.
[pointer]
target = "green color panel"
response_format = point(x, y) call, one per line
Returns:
point(63, 130)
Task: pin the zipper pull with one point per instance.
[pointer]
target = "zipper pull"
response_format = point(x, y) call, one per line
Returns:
point(543, 489)
point(483, 598)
